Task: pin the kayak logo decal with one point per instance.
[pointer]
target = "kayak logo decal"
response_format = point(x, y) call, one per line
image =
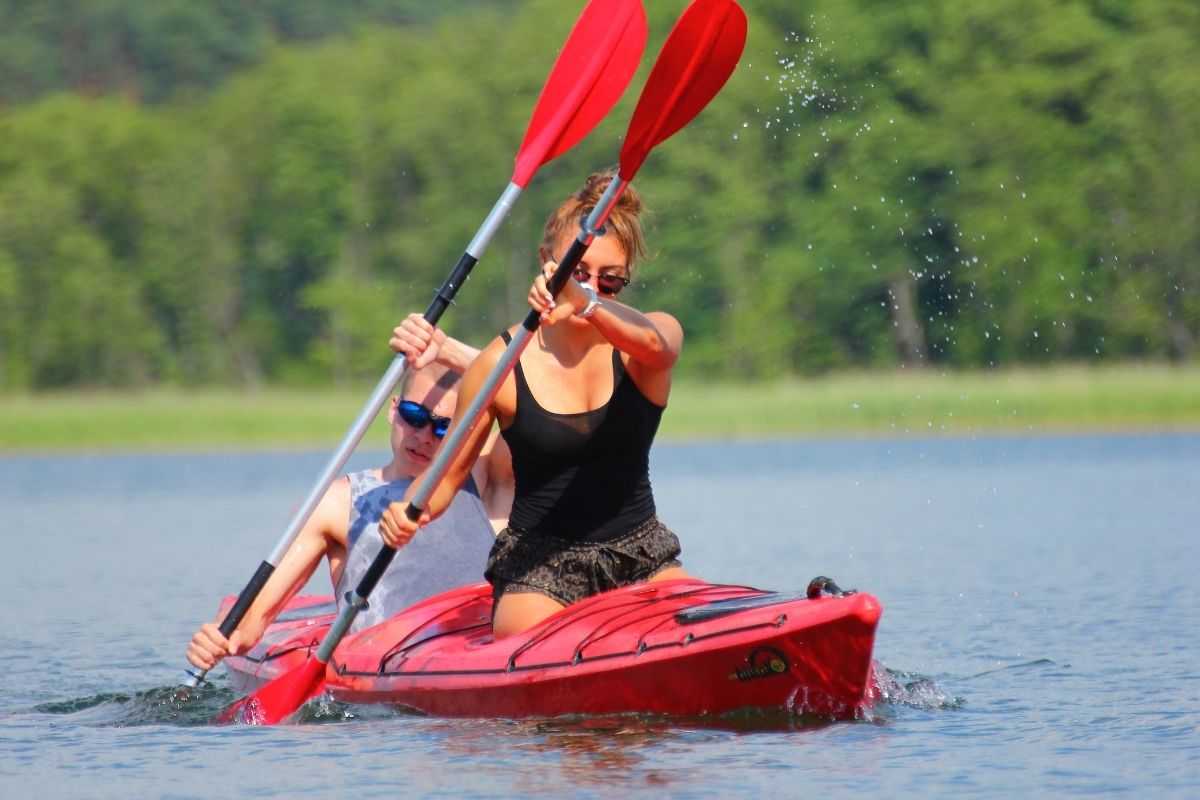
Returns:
point(763, 662)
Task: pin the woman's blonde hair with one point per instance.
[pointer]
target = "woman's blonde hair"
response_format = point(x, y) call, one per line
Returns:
point(623, 221)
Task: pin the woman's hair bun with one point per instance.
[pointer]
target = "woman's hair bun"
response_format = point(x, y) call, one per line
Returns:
point(593, 188)
point(623, 222)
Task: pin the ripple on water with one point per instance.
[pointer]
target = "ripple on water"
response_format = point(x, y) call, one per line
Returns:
point(174, 706)
point(168, 705)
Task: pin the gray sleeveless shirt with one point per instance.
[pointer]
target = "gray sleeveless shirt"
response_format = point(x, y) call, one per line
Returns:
point(451, 551)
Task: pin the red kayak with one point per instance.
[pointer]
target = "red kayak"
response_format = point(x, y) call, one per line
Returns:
point(676, 647)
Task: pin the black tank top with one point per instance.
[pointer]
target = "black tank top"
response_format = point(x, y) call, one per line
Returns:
point(583, 477)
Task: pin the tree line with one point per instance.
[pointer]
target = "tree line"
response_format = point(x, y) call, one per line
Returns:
point(150, 51)
point(922, 184)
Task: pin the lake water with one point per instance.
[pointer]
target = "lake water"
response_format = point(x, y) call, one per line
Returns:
point(1041, 605)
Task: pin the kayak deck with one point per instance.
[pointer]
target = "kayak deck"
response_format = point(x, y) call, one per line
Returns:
point(682, 647)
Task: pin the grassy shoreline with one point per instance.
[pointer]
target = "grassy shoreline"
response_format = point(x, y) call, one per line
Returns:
point(1127, 398)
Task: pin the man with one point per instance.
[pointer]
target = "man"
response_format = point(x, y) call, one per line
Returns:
point(344, 527)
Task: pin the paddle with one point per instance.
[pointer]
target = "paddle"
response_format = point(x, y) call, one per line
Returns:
point(593, 69)
point(695, 62)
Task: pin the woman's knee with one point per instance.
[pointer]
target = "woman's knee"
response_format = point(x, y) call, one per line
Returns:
point(519, 611)
point(669, 574)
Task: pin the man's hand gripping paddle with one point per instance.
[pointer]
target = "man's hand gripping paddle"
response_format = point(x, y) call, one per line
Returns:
point(593, 69)
point(695, 62)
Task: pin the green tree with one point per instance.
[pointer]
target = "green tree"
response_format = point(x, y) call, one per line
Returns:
point(879, 184)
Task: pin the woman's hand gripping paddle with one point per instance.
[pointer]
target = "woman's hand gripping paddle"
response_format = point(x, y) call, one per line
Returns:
point(593, 69)
point(695, 62)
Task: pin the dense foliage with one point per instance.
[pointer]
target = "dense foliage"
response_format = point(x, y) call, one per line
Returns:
point(147, 50)
point(881, 183)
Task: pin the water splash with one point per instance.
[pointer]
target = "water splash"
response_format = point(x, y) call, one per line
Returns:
point(803, 81)
point(910, 690)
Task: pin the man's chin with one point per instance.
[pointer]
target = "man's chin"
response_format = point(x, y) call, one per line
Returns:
point(418, 460)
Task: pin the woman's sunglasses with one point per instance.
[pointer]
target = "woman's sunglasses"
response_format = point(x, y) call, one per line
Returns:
point(607, 283)
point(419, 416)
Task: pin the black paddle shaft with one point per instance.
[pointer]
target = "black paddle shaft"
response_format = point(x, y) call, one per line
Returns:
point(445, 295)
point(248, 595)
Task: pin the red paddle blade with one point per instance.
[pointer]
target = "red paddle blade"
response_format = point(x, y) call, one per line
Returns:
point(279, 699)
point(699, 56)
point(597, 62)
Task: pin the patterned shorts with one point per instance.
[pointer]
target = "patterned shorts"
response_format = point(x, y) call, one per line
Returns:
point(567, 571)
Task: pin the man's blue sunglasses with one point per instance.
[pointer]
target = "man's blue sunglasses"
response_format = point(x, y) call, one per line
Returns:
point(419, 416)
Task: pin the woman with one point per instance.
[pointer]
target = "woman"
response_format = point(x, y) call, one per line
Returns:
point(579, 413)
